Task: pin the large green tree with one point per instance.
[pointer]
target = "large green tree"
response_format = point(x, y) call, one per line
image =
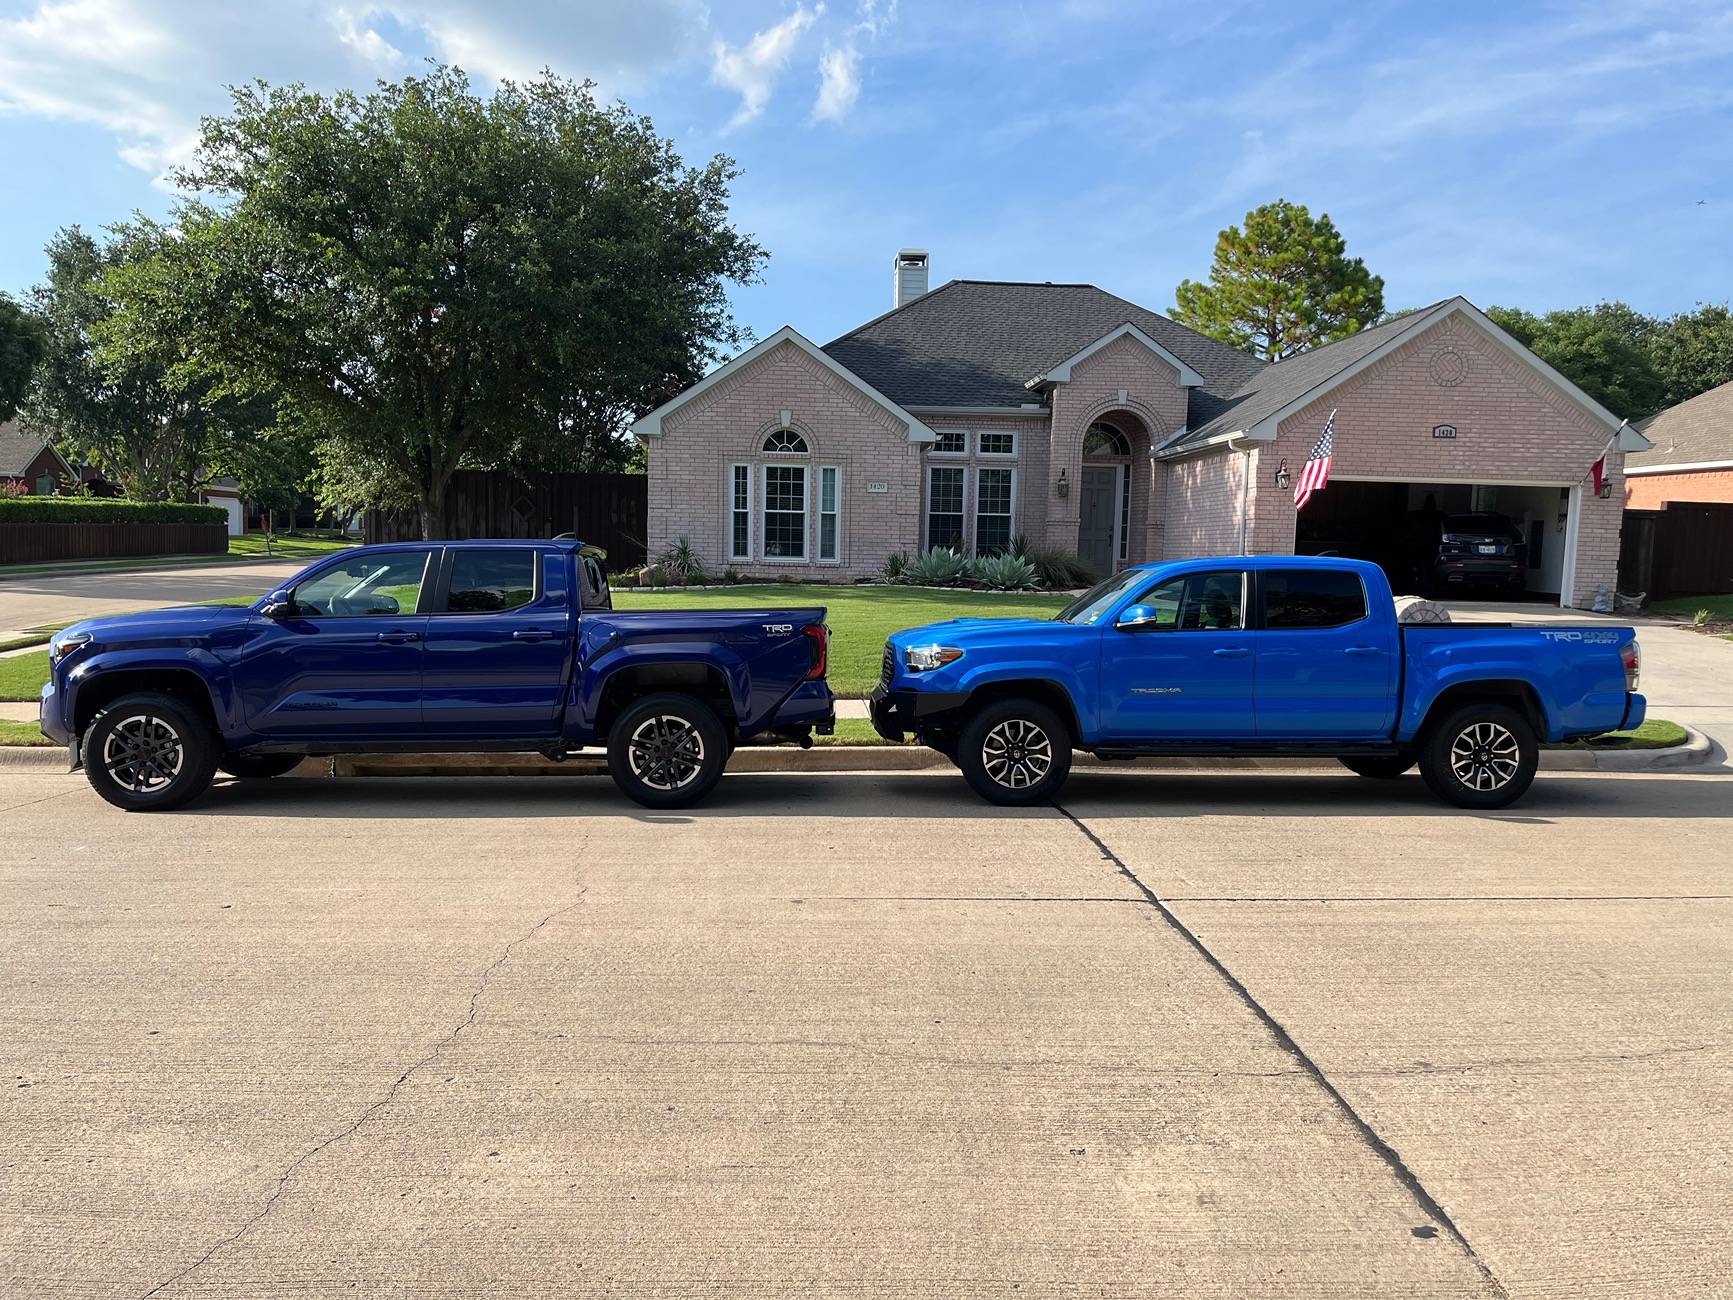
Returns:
point(1604, 350)
point(1282, 284)
point(1693, 351)
point(433, 279)
point(21, 346)
point(128, 400)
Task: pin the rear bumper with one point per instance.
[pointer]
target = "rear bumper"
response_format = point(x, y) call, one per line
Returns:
point(896, 713)
point(1636, 709)
point(811, 705)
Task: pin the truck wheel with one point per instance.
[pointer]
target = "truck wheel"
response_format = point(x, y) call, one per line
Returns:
point(149, 753)
point(667, 750)
point(1379, 767)
point(257, 767)
point(1015, 752)
point(1480, 756)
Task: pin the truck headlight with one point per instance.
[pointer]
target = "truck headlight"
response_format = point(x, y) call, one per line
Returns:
point(925, 658)
point(65, 644)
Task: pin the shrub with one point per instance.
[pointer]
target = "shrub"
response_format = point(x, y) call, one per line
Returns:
point(894, 566)
point(1005, 573)
point(731, 576)
point(104, 510)
point(658, 575)
point(681, 563)
point(1057, 567)
point(938, 566)
point(1701, 618)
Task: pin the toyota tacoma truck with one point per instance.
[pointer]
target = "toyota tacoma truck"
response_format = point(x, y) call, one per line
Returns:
point(456, 647)
point(1270, 656)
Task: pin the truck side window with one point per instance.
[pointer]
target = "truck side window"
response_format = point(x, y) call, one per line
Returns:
point(1198, 602)
point(386, 582)
point(1298, 598)
point(595, 585)
point(490, 581)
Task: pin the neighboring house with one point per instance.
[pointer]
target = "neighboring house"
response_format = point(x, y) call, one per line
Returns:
point(30, 460)
point(1692, 457)
point(226, 492)
point(984, 409)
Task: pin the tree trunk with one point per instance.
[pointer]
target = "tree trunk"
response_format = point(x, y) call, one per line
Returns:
point(432, 509)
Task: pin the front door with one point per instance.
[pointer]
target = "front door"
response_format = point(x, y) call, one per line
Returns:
point(1099, 508)
point(343, 661)
point(1183, 670)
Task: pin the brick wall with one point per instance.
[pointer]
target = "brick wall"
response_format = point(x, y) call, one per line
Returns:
point(1124, 378)
point(1653, 491)
point(1201, 503)
point(688, 466)
point(1511, 426)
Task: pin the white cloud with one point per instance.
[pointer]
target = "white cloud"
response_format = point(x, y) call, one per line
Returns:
point(839, 84)
point(752, 69)
point(354, 32)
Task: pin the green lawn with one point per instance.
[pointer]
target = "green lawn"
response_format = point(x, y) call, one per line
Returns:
point(860, 618)
point(22, 676)
point(1655, 733)
point(22, 733)
point(1718, 606)
point(252, 547)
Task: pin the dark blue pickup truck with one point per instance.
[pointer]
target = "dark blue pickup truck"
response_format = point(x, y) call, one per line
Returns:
point(1273, 655)
point(462, 647)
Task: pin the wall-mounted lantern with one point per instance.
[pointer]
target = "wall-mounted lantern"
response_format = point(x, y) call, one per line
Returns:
point(1282, 474)
point(1062, 488)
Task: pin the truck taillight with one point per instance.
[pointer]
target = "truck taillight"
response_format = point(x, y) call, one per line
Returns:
point(1633, 658)
point(819, 635)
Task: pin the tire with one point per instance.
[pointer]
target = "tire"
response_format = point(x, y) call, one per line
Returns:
point(667, 750)
point(149, 753)
point(1015, 752)
point(1480, 756)
point(258, 767)
point(1380, 767)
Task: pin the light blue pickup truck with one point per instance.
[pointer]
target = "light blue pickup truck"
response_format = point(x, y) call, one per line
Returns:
point(1255, 655)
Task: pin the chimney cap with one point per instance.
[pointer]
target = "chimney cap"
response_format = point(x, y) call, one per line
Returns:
point(911, 254)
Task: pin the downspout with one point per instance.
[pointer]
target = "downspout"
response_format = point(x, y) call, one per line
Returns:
point(1245, 488)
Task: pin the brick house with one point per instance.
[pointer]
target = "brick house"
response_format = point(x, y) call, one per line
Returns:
point(985, 409)
point(1692, 457)
point(32, 461)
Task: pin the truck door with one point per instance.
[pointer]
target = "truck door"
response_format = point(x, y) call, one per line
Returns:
point(343, 658)
point(1177, 663)
point(1326, 670)
point(499, 644)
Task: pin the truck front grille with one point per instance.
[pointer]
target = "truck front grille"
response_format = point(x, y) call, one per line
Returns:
point(890, 665)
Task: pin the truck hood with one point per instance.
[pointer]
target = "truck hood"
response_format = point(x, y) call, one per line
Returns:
point(965, 632)
point(178, 624)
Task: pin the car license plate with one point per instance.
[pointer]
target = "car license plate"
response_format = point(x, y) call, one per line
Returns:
point(1487, 550)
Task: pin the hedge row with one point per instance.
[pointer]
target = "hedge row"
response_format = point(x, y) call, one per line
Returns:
point(100, 510)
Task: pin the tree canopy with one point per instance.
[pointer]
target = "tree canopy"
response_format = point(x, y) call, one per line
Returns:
point(21, 345)
point(1604, 350)
point(431, 279)
point(1281, 285)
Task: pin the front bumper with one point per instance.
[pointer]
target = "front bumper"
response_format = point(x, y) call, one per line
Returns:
point(895, 713)
point(51, 715)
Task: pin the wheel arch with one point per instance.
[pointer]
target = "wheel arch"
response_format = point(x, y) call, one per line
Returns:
point(1042, 690)
point(1514, 692)
point(98, 689)
point(634, 679)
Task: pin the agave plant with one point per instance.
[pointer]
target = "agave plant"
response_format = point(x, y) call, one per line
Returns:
point(1005, 573)
point(1056, 567)
point(681, 563)
point(894, 566)
point(938, 566)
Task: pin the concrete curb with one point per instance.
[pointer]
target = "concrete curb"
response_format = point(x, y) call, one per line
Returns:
point(1697, 749)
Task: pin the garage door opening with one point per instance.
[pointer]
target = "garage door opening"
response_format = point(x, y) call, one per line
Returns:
point(1468, 540)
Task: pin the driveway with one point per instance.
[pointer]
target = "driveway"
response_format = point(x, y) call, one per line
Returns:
point(860, 1036)
point(65, 597)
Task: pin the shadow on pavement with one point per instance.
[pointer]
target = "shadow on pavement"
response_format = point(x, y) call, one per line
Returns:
point(894, 796)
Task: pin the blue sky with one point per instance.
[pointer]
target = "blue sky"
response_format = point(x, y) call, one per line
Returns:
point(1529, 154)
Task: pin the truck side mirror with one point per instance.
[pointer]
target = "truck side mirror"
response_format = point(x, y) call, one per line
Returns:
point(1140, 618)
point(279, 604)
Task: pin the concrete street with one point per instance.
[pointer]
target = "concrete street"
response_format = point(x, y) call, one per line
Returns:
point(849, 1035)
point(65, 597)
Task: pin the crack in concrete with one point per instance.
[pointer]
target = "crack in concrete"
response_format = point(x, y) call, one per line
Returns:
point(1518, 1062)
point(1424, 1199)
point(390, 1094)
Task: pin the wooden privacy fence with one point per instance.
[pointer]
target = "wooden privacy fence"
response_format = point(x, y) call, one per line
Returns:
point(606, 510)
point(38, 543)
point(1684, 550)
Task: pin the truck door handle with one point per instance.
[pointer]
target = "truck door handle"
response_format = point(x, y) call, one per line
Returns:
point(399, 638)
point(531, 634)
point(1232, 652)
point(1364, 650)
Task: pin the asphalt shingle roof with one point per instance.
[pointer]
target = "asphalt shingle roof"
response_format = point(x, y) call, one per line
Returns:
point(977, 342)
point(1697, 430)
point(17, 449)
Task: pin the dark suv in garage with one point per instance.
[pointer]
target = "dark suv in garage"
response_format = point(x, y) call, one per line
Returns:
point(1479, 549)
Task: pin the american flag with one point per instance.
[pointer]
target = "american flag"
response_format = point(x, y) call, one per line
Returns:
point(1316, 471)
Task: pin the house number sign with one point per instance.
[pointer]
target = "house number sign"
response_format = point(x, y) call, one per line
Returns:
point(878, 487)
point(1444, 431)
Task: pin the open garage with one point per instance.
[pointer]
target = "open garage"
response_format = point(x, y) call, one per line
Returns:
point(1498, 540)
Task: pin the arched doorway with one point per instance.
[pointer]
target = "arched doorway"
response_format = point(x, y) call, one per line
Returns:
point(1104, 499)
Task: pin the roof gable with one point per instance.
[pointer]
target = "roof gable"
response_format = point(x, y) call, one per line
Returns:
point(650, 426)
point(1061, 373)
point(18, 449)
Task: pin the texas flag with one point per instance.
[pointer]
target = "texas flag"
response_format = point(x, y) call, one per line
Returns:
point(1598, 471)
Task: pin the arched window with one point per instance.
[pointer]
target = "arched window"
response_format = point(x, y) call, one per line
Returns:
point(785, 441)
point(1105, 440)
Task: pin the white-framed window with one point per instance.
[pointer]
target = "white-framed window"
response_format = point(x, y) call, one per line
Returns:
point(784, 512)
point(995, 506)
point(740, 512)
point(996, 442)
point(829, 513)
point(785, 442)
point(945, 494)
point(952, 442)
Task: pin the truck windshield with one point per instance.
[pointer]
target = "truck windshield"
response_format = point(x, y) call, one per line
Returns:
point(1092, 604)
